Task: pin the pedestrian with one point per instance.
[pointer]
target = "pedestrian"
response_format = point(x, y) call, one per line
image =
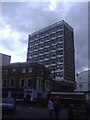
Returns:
point(51, 108)
point(56, 107)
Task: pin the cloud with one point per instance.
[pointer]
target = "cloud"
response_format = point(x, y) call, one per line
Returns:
point(20, 19)
point(13, 42)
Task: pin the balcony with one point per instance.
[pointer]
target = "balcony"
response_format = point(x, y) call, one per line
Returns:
point(53, 64)
point(36, 44)
point(47, 34)
point(40, 54)
point(35, 55)
point(59, 63)
point(53, 38)
point(53, 44)
point(60, 48)
point(59, 70)
point(46, 59)
point(53, 57)
point(53, 32)
point(53, 50)
point(46, 52)
point(41, 48)
point(30, 57)
point(47, 46)
point(48, 40)
point(47, 65)
point(40, 60)
point(59, 56)
point(60, 35)
point(41, 42)
point(60, 29)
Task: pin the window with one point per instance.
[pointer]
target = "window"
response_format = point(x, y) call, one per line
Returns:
point(80, 85)
point(39, 84)
point(31, 48)
point(4, 83)
point(61, 74)
point(61, 66)
point(61, 52)
point(22, 83)
point(42, 72)
point(47, 84)
point(36, 47)
point(31, 43)
point(14, 70)
point(88, 86)
point(36, 42)
point(6, 71)
point(30, 70)
point(47, 43)
point(61, 45)
point(23, 70)
point(41, 39)
point(29, 83)
point(12, 83)
point(59, 27)
point(35, 53)
point(61, 39)
point(46, 56)
point(53, 47)
point(61, 32)
point(61, 59)
point(57, 73)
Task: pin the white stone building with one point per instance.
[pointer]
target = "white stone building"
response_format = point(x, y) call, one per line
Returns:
point(83, 83)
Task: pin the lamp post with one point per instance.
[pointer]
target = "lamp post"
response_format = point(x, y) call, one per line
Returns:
point(77, 75)
point(77, 106)
point(54, 80)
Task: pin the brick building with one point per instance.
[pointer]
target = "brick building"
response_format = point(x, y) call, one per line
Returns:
point(27, 76)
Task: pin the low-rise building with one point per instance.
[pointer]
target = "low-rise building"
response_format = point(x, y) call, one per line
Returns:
point(4, 59)
point(83, 83)
point(27, 78)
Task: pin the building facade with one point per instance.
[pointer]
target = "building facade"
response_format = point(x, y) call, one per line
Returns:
point(53, 46)
point(30, 77)
point(83, 83)
point(4, 59)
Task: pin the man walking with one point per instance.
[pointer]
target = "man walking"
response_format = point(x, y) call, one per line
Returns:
point(57, 107)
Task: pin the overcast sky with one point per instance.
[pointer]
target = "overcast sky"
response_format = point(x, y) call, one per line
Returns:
point(21, 18)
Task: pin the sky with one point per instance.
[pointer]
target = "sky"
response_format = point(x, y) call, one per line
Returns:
point(19, 19)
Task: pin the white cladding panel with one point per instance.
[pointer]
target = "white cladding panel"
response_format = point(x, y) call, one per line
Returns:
point(83, 81)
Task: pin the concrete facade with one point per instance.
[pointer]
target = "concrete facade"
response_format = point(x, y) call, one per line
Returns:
point(53, 46)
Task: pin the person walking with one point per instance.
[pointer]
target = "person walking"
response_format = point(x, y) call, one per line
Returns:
point(56, 107)
point(51, 108)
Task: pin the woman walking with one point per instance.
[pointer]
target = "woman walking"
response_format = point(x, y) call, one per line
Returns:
point(51, 108)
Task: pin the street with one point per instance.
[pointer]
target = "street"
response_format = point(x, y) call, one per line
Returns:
point(42, 112)
point(33, 112)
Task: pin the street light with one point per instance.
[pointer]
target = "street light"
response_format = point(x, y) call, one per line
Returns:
point(54, 79)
